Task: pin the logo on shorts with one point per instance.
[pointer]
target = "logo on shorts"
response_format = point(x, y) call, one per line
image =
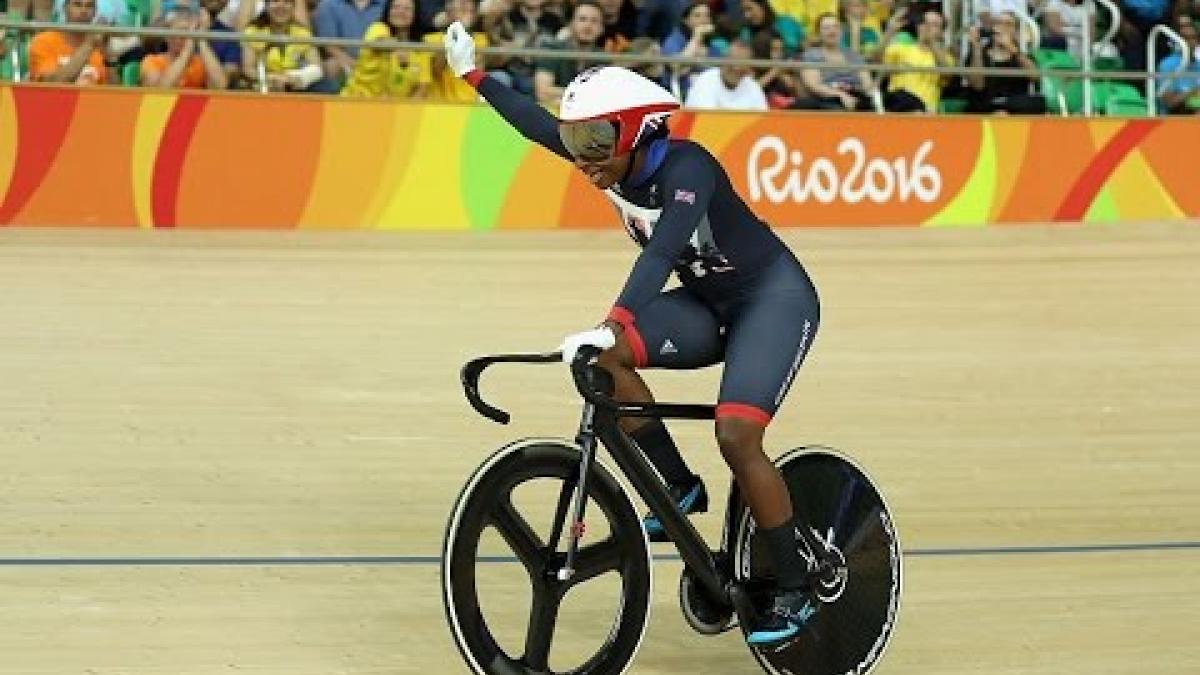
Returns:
point(668, 347)
point(685, 196)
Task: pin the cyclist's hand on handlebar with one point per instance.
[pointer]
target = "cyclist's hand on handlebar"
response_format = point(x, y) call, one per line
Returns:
point(602, 338)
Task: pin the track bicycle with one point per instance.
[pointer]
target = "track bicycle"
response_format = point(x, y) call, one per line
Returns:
point(848, 540)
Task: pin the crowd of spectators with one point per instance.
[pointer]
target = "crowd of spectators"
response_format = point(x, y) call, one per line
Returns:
point(822, 48)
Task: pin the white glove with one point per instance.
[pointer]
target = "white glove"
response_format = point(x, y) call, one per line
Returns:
point(602, 337)
point(460, 49)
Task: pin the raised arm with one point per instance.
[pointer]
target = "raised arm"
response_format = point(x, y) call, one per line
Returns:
point(526, 116)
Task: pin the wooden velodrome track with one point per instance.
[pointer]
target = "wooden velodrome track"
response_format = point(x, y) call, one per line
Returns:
point(198, 430)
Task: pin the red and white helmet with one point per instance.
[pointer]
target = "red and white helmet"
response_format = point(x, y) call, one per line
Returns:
point(629, 107)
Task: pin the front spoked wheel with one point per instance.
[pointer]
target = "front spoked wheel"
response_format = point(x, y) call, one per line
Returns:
point(505, 543)
point(860, 582)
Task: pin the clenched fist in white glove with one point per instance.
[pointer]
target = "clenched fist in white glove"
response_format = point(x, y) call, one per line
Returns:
point(460, 49)
point(602, 337)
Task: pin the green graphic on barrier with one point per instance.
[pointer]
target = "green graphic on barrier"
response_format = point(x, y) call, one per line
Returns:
point(487, 175)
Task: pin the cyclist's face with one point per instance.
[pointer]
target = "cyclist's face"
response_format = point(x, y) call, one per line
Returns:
point(603, 173)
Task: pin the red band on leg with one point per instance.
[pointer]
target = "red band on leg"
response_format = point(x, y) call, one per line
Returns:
point(636, 344)
point(744, 411)
point(621, 316)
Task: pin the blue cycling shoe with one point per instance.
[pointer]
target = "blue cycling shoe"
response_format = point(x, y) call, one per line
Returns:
point(790, 612)
point(690, 498)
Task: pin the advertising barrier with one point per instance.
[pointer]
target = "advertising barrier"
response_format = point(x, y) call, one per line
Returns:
point(128, 158)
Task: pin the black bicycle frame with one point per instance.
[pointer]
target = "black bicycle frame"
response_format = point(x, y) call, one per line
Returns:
point(599, 421)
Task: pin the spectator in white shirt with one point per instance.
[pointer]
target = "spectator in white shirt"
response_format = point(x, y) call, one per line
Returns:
point(986, 10)
point(1062, 25)
point(728, 87)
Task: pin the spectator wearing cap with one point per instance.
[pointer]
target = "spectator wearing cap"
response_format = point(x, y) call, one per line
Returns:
point(187, 63)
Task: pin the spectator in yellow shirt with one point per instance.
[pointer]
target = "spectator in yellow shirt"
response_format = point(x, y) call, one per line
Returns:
point(806, 13)
point(388, 72)
point(443, 84)
point(916, 91)
point(289, 67)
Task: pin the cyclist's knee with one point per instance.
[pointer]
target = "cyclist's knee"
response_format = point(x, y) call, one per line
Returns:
point(740, 440)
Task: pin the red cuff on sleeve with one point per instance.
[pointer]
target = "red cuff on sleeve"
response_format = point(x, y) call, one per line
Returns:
point(474, 77)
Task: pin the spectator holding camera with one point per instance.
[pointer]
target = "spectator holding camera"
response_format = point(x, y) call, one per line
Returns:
point(999, 48)
point(187, 63)
point(847, 87)
point(74, 58)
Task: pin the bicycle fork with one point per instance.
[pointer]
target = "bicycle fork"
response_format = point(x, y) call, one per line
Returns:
point(586, 439)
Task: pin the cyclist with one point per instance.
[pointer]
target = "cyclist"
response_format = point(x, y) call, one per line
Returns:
point(744, 299)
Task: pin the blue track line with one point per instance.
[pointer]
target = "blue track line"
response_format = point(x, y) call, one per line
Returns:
point(272, 561)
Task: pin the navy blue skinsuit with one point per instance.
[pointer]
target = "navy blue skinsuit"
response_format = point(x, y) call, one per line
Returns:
point(744, 300)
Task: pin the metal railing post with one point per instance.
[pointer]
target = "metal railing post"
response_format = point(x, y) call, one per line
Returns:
point(263, 85)
point(1152, 63)
point(1085, 56)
